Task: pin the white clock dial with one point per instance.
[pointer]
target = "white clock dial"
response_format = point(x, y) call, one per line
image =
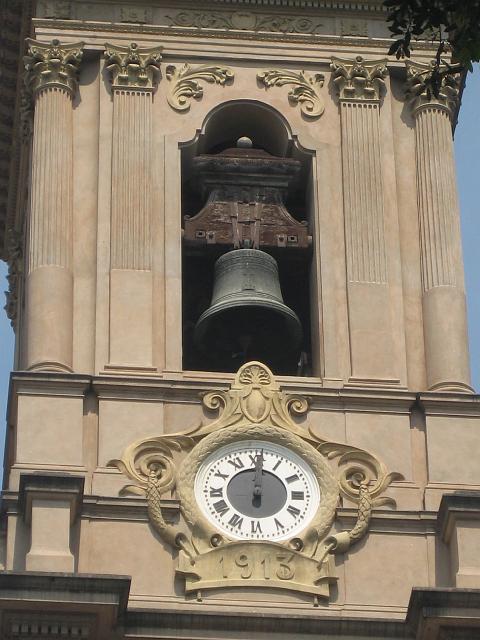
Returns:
point(257, 490)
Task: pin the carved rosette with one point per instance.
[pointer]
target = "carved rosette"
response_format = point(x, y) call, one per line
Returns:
point(255, 408)
point(305, 91)
point(133, 67)
point(359, 79)
point(51, 65)
point(420, 80)
point(185, 82)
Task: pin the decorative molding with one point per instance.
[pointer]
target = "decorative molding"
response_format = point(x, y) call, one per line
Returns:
point(255, 408)
point(52, 65)
point(359, 79)
point(15, 273)
point(136, 15)
point(185, 82)
point(357, 28)
point(133, 67)
point(247, 21)
point(55, 9)
point(305, 90)
point(419, 92)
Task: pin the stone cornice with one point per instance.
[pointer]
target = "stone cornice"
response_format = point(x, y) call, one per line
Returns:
point(133, 67)
point(419, 88)
point(359, 79)
point(51, 65)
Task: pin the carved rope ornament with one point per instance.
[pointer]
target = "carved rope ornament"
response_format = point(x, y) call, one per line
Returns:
point(133, 67)
point(305, 90)
point(254, 413)
point(185, 82)
point(359, 79)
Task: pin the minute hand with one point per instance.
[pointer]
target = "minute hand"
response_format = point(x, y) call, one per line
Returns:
point(257, 480)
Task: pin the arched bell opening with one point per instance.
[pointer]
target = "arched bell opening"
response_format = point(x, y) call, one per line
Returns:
point(246, 244)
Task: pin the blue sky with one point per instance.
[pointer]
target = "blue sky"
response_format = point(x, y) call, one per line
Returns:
point(467, 147)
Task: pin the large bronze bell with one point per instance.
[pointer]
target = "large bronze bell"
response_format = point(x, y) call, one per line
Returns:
point(247, 318)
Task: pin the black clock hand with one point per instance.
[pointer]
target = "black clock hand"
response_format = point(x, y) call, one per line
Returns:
point(257, 480)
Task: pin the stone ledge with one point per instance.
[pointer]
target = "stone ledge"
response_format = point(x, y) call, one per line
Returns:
point(96, 603)
point(240, 625)
point(461, 505)
point(436, 614)
point(50, 486)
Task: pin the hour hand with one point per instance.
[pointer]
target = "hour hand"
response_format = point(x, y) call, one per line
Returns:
point(257, 480)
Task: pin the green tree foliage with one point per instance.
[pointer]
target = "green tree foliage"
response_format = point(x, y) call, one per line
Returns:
point(453, 24)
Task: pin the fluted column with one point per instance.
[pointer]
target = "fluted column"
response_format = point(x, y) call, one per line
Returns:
point(444, 310)
point(359, 84)
point(135, 73)
point(51, 76)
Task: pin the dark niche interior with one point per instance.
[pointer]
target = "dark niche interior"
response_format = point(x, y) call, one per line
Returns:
point(244, 186)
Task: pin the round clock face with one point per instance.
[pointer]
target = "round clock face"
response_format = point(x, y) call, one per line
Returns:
point(257, 490)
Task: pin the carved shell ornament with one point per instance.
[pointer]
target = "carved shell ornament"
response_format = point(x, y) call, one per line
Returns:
point(255, 428)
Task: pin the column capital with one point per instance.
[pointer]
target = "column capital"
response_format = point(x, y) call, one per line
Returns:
point(358, 79)
point(52, 65)
point(133, 67)
point(419, 87)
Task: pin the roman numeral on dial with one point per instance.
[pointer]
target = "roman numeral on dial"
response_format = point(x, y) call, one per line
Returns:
point(297, 495)
point(236, 521)
point(293, 511)
point(216, 493)
point(221, 507)
point(255, 526)
point(236, 463)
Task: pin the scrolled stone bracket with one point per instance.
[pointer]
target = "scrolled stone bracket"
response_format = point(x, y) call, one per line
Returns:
point(185, 82)
point(52, 65)
point(419, 93)
point(359, 79)
point(133, 67)
point(305, 91)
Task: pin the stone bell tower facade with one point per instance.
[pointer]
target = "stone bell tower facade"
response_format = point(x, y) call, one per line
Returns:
point(163, 479)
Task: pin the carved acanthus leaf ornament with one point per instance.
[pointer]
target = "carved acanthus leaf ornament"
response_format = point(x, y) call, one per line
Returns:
point(305, 90)
point(185, 82)
point(359, 79)
point(51, 65)
point(420, 81)
point(254, 408)
point(133, 67)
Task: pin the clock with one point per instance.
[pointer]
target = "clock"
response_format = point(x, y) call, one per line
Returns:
point(257, 490)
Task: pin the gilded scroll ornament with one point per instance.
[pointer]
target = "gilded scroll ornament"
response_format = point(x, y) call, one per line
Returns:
point(254, 410)
point(133, 67)
point(359, 79)
point(420, 80)
point(185, 82)
point(305, 91)
point(50, 65)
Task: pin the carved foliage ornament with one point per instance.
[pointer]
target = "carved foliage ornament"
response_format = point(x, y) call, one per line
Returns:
point(359, 79)
point(420, 80)
point(185, 82)
point(132, 67)
point(254, 409)
point(52, 65)
point(305, 91)
point(247, 21)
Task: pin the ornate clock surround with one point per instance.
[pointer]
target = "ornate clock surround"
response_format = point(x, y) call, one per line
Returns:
point(255, 408)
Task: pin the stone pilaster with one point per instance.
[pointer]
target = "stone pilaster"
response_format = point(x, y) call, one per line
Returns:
point(135, 73)
point(51, 78)
point(359, 84)
point(444, 311)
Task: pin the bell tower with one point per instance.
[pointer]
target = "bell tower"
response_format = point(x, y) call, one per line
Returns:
point(241, 402)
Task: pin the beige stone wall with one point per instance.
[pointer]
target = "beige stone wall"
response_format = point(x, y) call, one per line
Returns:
point(123, 322)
